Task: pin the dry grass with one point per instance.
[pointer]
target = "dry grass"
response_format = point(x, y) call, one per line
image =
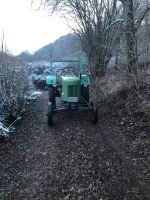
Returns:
point(109, 86)
point(132, 91)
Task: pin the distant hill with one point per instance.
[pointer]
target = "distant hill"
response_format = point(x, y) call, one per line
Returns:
point(26, 56)
point(66, 47)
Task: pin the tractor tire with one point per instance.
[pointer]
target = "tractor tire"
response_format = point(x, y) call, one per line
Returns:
point(85, 93)
point(52, 97)
point(50, 114)
point(94, 113)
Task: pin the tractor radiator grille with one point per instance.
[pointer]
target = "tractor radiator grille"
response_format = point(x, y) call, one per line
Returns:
point(72, 91)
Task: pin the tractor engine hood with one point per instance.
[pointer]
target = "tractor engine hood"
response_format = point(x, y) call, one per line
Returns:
point(70, 89)
point(71, 80)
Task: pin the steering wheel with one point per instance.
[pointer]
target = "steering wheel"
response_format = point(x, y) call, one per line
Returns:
point(66, 70)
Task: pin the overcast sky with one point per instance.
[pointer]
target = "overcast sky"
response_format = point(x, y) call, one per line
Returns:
point(28, 29)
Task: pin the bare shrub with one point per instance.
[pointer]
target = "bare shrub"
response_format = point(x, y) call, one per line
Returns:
point(125, 90)
point(13, 86)
point(109, 86)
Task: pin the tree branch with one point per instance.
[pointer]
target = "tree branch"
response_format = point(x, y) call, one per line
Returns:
point(119, 20)
point(139, 21)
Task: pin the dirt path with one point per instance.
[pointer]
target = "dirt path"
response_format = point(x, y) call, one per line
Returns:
point(71, 160)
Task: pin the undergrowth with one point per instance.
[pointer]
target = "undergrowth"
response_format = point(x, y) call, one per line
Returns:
point(124, 90)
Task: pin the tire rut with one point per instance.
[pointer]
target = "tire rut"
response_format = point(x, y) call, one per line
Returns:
point(133, 172)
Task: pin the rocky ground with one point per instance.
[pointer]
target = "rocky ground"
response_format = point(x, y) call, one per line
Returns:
point(75, 160)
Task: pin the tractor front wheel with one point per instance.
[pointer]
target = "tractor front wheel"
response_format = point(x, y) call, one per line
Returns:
point(94, 113)
point(52, 97)
point(85, 93)
point(50, 114)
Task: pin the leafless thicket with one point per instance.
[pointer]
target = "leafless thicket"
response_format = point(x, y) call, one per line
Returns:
point(101, 24)
point(116, 29)
point(98, 24)
point(13, 86)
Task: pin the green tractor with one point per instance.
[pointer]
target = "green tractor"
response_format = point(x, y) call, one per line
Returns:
point(71, 84)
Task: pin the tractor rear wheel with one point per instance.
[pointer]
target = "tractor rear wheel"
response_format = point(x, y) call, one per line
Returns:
point(52, 97)
point(50, 114)
point(94, 113)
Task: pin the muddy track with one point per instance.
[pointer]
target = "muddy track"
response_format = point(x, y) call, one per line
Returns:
point(142, 185)
point(71, 160)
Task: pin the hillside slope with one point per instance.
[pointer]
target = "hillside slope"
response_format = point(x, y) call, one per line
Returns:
point(65, 47)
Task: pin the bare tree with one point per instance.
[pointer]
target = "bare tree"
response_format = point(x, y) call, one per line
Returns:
point(128, 16)
point(99, 33)
point(131, 25)
point(98, 26)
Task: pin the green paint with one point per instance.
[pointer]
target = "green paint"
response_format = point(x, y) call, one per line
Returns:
point(85, 79)
point(70, 88)
point(71, 82)
point(51, 80)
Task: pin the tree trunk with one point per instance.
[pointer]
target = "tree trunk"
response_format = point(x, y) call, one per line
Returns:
point(128, 16)
point(98, 66)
